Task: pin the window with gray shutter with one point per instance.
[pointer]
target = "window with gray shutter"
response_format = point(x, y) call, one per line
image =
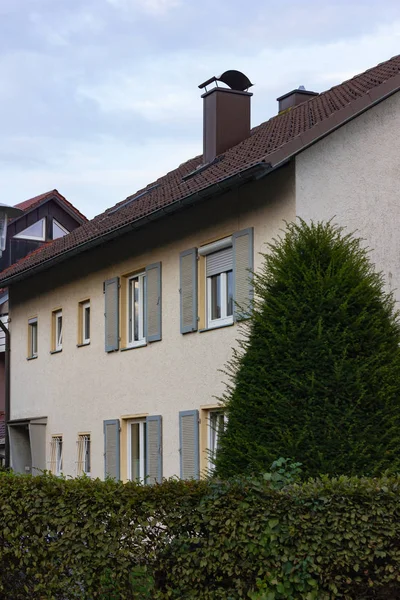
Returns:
point(111, 449)
point(153, 302)
point(242, 247)
point(189, 444)
point(154, 449)
point(188, 290)
point(111, 314)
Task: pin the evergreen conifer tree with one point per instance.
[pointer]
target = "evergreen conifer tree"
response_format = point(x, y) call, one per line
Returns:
point(317, 377)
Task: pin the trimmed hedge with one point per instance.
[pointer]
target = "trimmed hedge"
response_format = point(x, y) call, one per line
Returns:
point(327, 538)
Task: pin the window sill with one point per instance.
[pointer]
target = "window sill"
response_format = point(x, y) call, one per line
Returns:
point(217, 327)
point(31, 357)
point(134, 347)
point(55, 351)
point(83, 344)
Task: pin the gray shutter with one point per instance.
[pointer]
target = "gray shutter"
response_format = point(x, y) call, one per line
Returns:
point(242, 242)
point(153, 302)
point(188, 290)
point(189, 444)
point(111, 449)
point(154, 449)
point(111, 314)
point(37, 437)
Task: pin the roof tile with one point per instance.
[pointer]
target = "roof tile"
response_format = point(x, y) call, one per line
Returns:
point(278, 138)
point(37, 200)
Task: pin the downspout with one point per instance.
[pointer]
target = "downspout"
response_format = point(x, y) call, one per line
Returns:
point(7, 392)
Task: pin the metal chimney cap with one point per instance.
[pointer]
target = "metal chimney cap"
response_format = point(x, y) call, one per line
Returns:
point(236, 80)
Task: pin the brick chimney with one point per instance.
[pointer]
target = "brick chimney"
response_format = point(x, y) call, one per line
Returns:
point(294, 98)
point(226, 114)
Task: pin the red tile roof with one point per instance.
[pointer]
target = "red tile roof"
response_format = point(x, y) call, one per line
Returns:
point(272, 142)
point(38, 200)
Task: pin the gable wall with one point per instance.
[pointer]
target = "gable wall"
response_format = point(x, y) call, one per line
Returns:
point(353, 176)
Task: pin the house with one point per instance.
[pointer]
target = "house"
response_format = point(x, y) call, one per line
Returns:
point(136, 312)
point(43, 219)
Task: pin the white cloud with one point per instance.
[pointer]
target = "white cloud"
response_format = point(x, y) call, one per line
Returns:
point(156, 101)
point(94, 76)
point(164, 89)
point(151, 7)
point(98, 175)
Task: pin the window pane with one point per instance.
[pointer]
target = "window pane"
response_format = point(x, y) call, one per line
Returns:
point(216, 425)
point(33, 339)
point(135, 451)
point(87, 323)
point(59, 455)
point(87, 455)
point(215, 297)
point(33, 231)
point(136, 300)
point(58, 231)
point(229, 293)
point(144, 449)
point(59, 330)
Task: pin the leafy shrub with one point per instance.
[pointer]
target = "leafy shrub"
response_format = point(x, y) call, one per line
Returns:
point(209, 540)
point(317, 378)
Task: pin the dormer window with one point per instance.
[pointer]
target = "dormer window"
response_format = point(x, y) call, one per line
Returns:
point(36, 232)
point(58, 230)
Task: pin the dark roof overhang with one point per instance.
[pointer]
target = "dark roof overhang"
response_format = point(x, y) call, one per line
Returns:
point(253, 173)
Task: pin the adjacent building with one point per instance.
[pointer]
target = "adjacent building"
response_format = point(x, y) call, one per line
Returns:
point(121, 328)
point(44, 218)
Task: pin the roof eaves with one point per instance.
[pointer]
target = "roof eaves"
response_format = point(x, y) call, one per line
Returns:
point(253, 172)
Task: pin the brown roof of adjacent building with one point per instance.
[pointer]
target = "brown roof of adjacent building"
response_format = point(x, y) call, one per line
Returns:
point(269, 146)
point(33, 203)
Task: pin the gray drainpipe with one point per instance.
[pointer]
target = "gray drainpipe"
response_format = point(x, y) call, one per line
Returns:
point(7, 392)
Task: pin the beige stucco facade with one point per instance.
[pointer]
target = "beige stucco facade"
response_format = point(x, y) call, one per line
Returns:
point(78, 388)
point(353, 176)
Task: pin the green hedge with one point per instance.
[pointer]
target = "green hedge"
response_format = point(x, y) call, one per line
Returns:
point(65, 539)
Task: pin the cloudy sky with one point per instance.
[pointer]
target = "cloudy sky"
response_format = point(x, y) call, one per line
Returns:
point(100, 97)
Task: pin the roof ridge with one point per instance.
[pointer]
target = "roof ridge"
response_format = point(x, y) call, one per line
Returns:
point(274, 141)
point(31, 203)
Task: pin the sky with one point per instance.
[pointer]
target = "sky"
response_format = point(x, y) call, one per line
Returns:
point(100, 97)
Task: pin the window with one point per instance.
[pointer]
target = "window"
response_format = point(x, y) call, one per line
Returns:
point(136, 314)
point(56, 454)
point(37, 231)
point(215, 425)
point(84, 454)
point(84, 322)
point(216, 286)
point(57, 333)
point(32, 338)
point(140, 295)
point(137, 443)
point(219, 286)
point(58, 230)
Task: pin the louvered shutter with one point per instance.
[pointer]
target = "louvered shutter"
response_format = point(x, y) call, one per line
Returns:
point(153, 302)
point(111, 314)
point(188, 290)
point(189, 444)
point(111, 449)
point(154, 449)
point(242, 246)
